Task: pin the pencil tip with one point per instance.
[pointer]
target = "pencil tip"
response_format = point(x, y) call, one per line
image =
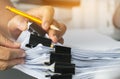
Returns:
point(54, 28)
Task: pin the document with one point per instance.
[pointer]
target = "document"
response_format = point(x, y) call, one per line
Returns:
point(87, 62)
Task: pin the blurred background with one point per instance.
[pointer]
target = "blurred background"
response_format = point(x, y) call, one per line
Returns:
point(80, 13)
point(77, 15)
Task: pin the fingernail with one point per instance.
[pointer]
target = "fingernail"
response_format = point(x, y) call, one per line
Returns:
point(46, 25)
point(22, 26)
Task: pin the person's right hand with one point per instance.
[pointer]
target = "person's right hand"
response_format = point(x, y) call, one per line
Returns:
point(46, 13)
point(10, 54)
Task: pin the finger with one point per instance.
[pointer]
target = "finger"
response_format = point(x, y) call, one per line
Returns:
point(16, 62)
point(44, 13)
point(47, 18)
point(61, 40)
point(17, 25)
point(53, 36)
point(8, 64)
point(8, 53)
point(8, 43)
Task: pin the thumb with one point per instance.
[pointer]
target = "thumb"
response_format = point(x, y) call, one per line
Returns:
point(45, 13)
point(8, 43)
point(17, 25)
point(47, 18)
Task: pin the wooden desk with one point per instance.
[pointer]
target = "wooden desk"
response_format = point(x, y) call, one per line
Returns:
point(56, 3)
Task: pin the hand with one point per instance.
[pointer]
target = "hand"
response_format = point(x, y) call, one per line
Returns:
point(116, 17)
point(10, 55)
point(45, 13)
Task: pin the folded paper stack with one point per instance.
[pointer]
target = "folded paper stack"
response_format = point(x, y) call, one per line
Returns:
point(61, 62)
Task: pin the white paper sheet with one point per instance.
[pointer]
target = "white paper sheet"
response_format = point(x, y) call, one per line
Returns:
point(90, 39)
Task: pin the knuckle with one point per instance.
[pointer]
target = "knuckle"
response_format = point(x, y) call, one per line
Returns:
point(6, 42)
point(1, 39)
point(3, 65)
point(63, 27)
point(13, 22)
point(10, 23)
point(6, 55)
point(49, 9)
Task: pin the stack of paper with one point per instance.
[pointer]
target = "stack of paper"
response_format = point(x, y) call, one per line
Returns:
point(87, 62)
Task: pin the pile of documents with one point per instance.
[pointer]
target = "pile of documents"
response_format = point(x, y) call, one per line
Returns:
point(87, 62)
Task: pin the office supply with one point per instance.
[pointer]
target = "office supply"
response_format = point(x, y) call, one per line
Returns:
point(35, 40)
point(30, 17)
point(65, 76)
point(58, 57)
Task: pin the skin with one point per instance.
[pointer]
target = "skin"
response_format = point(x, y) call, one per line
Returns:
point(46, 14)
point(12, 25)
point(116, 18)
point(10, 54)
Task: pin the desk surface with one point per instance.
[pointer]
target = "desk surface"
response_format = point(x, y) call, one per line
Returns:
point(89, 39)
point(58, 3)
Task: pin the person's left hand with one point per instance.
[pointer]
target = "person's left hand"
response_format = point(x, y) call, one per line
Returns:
point(45, 13)
point(10, 53)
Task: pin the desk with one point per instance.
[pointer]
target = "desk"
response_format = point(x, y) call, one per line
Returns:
point(89, 39)
point(14, 74)
point(60, 3)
